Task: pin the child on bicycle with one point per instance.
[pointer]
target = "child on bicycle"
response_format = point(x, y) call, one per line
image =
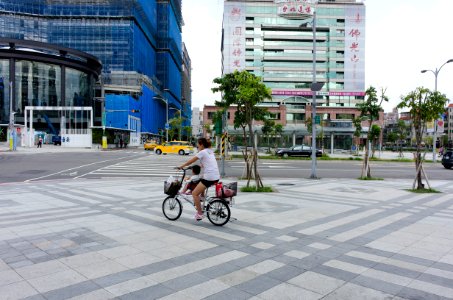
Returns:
point(193, 180)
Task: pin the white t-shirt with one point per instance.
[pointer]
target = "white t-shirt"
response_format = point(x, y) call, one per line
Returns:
point(209, 164)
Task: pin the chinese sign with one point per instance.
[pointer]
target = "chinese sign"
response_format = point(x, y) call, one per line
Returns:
point(354, 48)
point(309, 93)
point(295, 8)
point(234, 37)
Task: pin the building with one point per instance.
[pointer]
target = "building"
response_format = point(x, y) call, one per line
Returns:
point(48, 85)
point(197, 122)
point(138, 43)
point(186, 88)
point(272, 40)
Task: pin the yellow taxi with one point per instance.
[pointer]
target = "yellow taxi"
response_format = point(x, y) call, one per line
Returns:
point(180, 147)
point(150, 145)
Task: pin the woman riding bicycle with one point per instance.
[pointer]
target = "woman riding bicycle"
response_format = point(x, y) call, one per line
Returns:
point(211, 173)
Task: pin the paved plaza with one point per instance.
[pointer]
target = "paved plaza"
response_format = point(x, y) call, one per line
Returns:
point(322, 239)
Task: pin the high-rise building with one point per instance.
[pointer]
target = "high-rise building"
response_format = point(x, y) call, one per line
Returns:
point(138, 43)
point(273, 39)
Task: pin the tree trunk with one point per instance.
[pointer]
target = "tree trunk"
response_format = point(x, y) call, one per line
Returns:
point(418, 159)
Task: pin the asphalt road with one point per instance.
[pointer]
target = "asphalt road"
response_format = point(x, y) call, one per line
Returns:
point(67, 165)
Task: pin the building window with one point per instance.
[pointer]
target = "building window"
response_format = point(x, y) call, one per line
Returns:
point(275, 116)
point(345, 116)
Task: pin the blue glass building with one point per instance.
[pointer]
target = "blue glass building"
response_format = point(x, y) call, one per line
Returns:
point(138, 38)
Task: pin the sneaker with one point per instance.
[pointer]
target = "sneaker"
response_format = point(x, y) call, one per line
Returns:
point(199, 217)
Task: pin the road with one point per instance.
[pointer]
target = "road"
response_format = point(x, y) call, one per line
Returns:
point(138, 163)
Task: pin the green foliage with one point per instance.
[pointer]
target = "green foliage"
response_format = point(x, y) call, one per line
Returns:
point(253, 189)
point(375, 132)
point(357, 122)
point(175, 126)
point(392, 137)
point(424, 106)
point(246, 91)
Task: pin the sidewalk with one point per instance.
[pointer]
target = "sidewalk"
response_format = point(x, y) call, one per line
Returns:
point(313, 239)
point(4, 148)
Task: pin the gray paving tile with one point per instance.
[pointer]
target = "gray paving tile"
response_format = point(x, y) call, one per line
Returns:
point(186, 281)
point(71, 291)
point(408, 293)
point(379, 285)
point(258, 285)
point(154, 292)
point(285, 273)
point(116, 278)
point(228, 294)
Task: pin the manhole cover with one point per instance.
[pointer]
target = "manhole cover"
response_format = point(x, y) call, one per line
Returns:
point(288, 184)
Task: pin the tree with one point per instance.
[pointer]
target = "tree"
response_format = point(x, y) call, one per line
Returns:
point(401, 133)
point(267, 129)
point(188, 131)
point(424, 106)
point(245, 91)
point(175, 126)
point(278, 131)
point(375, 133)
point(370, 109)
point(357, 122)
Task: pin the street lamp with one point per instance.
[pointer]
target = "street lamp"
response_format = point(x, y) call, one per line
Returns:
point(315, 87)
point(166, 112)
point(436, 73)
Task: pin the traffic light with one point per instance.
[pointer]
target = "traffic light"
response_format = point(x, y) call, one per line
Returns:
point(135, 110)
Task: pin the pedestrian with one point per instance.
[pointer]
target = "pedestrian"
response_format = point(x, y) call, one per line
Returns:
point(210, 176)
point(121, 142)
point(40, 142)
point(441, 151)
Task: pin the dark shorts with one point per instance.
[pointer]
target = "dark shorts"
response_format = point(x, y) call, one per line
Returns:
point(208, 183)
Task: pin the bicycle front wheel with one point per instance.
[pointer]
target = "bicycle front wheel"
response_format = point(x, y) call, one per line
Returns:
point(218, 212)
point(172, 208)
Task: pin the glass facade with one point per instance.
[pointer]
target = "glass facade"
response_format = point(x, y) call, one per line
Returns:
point(142, 36)
point(4, 91)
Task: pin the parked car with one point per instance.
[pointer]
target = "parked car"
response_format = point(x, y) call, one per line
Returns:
point(150, 145)
point(180, 147)
point(299, 150)
point(447, 159)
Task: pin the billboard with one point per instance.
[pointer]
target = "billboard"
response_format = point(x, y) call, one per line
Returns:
point(295, 9)
point(233, 37)
point(354, 48)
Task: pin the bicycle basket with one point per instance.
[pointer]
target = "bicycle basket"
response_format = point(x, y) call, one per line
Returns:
point(171, 188)
point(229, 190)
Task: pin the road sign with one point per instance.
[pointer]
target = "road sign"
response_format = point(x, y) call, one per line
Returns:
point(440, 126)
point(167, 126)
point(317, 120)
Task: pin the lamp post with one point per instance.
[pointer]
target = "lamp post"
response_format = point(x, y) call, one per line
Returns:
point(166, 112)
point(436, 73)
point(315, 87)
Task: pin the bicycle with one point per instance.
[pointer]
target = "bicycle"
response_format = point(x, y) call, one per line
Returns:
point(215, 208)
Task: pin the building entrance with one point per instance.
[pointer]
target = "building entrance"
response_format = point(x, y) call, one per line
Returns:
point(73, 129)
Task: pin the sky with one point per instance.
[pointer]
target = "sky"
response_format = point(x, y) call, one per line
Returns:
point(403, 37)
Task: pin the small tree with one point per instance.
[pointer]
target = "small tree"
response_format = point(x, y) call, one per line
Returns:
point(370, 109)
point(357, 122)
point(175, 126)
point(375, 133)
point(246, 91)
point(401, 133)
point(278, 131)
point(424, 106)
point(267, 129)
point(188, 132)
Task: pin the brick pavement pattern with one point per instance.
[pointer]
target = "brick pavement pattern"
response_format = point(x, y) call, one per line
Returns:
point(326, 239)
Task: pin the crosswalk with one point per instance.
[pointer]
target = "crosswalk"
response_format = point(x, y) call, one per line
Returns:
point(149, 165)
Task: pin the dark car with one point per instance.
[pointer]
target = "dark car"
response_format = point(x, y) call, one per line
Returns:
point(447, 159)
point(298, 151)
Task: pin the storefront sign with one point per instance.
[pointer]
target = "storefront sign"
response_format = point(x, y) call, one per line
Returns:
point(234, 37)
point(309, 93)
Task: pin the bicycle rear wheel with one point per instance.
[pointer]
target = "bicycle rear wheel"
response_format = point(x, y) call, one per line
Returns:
point(172, 208)
point(218, 212)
